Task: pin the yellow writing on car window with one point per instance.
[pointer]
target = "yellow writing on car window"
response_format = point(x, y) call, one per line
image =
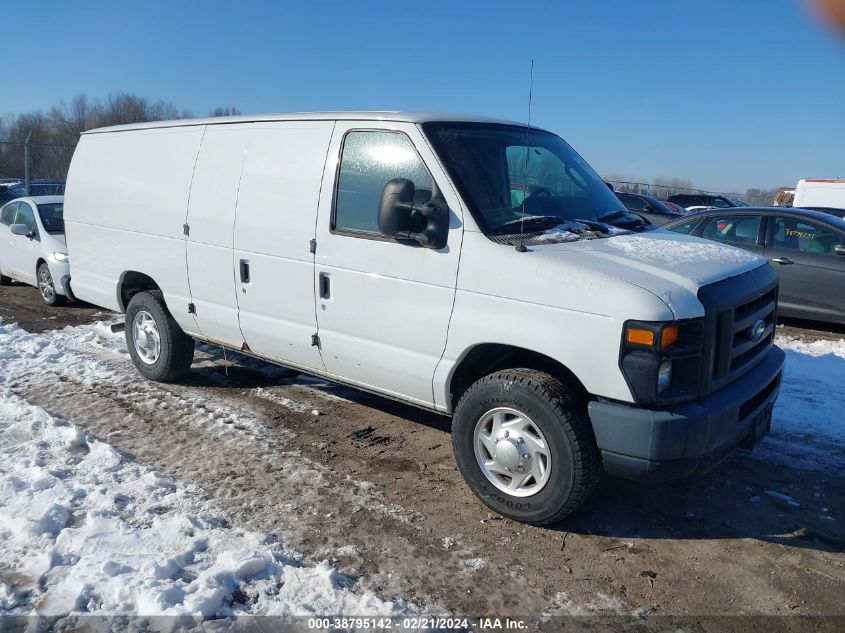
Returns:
point(796, 233)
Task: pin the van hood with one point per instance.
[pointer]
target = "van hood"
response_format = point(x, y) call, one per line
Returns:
point(672, 266)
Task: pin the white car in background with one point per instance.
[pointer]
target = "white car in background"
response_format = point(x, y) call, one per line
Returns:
point(32, 245)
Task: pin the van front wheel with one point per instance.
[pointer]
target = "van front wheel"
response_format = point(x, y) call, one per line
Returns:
point(159, 348)
point(525, 446)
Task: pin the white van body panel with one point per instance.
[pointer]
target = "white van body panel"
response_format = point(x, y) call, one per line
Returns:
point(125, 205)
point(820, 193)
point(385, 325)
point(399, 318)
point(208, 245)
point(276, 216)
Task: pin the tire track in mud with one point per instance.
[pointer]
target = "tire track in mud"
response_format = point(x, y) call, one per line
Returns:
point(240, 460)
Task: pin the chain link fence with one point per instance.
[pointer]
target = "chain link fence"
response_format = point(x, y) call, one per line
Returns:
point(33, 168)
point(662, 192)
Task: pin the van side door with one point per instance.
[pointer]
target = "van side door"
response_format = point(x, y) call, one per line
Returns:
point(383, 305)
point(274, 226)
point(209, 233)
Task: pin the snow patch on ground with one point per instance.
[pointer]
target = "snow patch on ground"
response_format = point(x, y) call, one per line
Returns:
point(85, 530)
point(808, 427)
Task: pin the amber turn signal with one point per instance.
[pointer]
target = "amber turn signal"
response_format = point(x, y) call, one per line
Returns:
point(669, 336)
point(638, 336)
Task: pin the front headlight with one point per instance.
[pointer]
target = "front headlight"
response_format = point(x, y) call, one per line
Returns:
point(661, 361)
point(61, 257)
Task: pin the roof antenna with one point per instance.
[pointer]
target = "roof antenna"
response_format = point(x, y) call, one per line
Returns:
point(520, 247)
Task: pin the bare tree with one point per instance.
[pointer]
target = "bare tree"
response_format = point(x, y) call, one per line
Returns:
point(225, 111)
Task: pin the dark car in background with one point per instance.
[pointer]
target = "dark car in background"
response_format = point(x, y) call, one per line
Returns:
point(649, 208)
point(17, 189)
point(688, 200)
point(839, 213)
point(806, 248)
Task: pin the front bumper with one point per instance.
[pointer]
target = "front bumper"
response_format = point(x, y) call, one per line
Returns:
point(690, 438)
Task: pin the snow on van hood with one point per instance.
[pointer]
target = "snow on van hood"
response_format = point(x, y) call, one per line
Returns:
point(672, 266)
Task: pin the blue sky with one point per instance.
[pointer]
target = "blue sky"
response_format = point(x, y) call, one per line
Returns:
point(731, 94)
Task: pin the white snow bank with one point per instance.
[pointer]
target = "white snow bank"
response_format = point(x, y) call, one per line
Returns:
point(808, 427)
point(85, 530)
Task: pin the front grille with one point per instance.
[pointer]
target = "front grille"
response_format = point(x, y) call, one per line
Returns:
point(743, 334)
point(739, 324)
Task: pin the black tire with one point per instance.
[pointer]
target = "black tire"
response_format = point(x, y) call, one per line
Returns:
point(560, 414)
point(176, 348)
point(50, 297)
point(5, 281)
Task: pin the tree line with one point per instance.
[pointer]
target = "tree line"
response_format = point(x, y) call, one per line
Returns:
point(63, 123)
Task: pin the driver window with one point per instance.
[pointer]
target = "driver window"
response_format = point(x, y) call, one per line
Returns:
point(794, 235)
point(369, 160)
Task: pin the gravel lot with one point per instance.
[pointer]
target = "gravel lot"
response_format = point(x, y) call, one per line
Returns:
point(371, 486)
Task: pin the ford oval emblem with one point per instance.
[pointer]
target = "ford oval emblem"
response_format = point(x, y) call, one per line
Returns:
point(757, 330)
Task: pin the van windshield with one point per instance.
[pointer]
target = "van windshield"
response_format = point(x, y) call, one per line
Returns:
point(521, 181)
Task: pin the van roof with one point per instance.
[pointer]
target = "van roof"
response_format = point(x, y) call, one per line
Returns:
point(406, 117)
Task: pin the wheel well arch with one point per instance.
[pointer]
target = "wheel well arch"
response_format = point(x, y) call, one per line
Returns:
point(38, 263)
point(131, 283)
point(486, 358)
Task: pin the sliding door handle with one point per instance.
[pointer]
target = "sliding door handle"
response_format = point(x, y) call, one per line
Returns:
point(325, 286)
point(244, 271)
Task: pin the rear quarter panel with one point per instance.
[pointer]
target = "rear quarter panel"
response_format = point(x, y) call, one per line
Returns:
point(125, 204)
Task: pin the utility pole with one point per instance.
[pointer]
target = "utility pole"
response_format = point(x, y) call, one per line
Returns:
point(26, 163)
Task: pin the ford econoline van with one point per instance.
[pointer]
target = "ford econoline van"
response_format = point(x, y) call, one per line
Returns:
point(474, 267)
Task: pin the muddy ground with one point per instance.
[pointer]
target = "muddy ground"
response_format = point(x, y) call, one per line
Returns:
point(381, 497)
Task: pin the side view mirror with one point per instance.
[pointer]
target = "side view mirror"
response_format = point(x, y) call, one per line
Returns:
point(839, 249)
point(398, 216)
point(21, 229)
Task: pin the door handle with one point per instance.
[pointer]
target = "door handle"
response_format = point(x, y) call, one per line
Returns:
point(325, 286)
point(783, 261)
point(244, 271)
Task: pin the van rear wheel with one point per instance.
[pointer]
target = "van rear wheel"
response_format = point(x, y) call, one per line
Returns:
point(525, 446)
point(159, 348)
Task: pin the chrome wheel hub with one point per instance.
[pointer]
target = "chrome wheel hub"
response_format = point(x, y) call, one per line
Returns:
point(512, 452)
point(147, 338)
point(45, 285)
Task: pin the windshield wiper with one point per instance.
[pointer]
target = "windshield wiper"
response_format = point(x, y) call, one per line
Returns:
point(529, 220)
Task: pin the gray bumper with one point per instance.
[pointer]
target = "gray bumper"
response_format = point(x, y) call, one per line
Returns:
point(689, 438)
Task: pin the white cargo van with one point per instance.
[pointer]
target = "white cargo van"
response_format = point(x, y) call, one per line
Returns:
point(820, 193)
point(470, 266)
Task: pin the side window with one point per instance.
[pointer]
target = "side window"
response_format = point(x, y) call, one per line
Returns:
point(632, 203)
point(7, 215)
point(686, 227)
point(737, 229)
point(27, 216)
point(369, 160)
point(800, 236)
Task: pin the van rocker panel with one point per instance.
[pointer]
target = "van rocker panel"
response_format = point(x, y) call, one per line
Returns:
point(685, 439)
